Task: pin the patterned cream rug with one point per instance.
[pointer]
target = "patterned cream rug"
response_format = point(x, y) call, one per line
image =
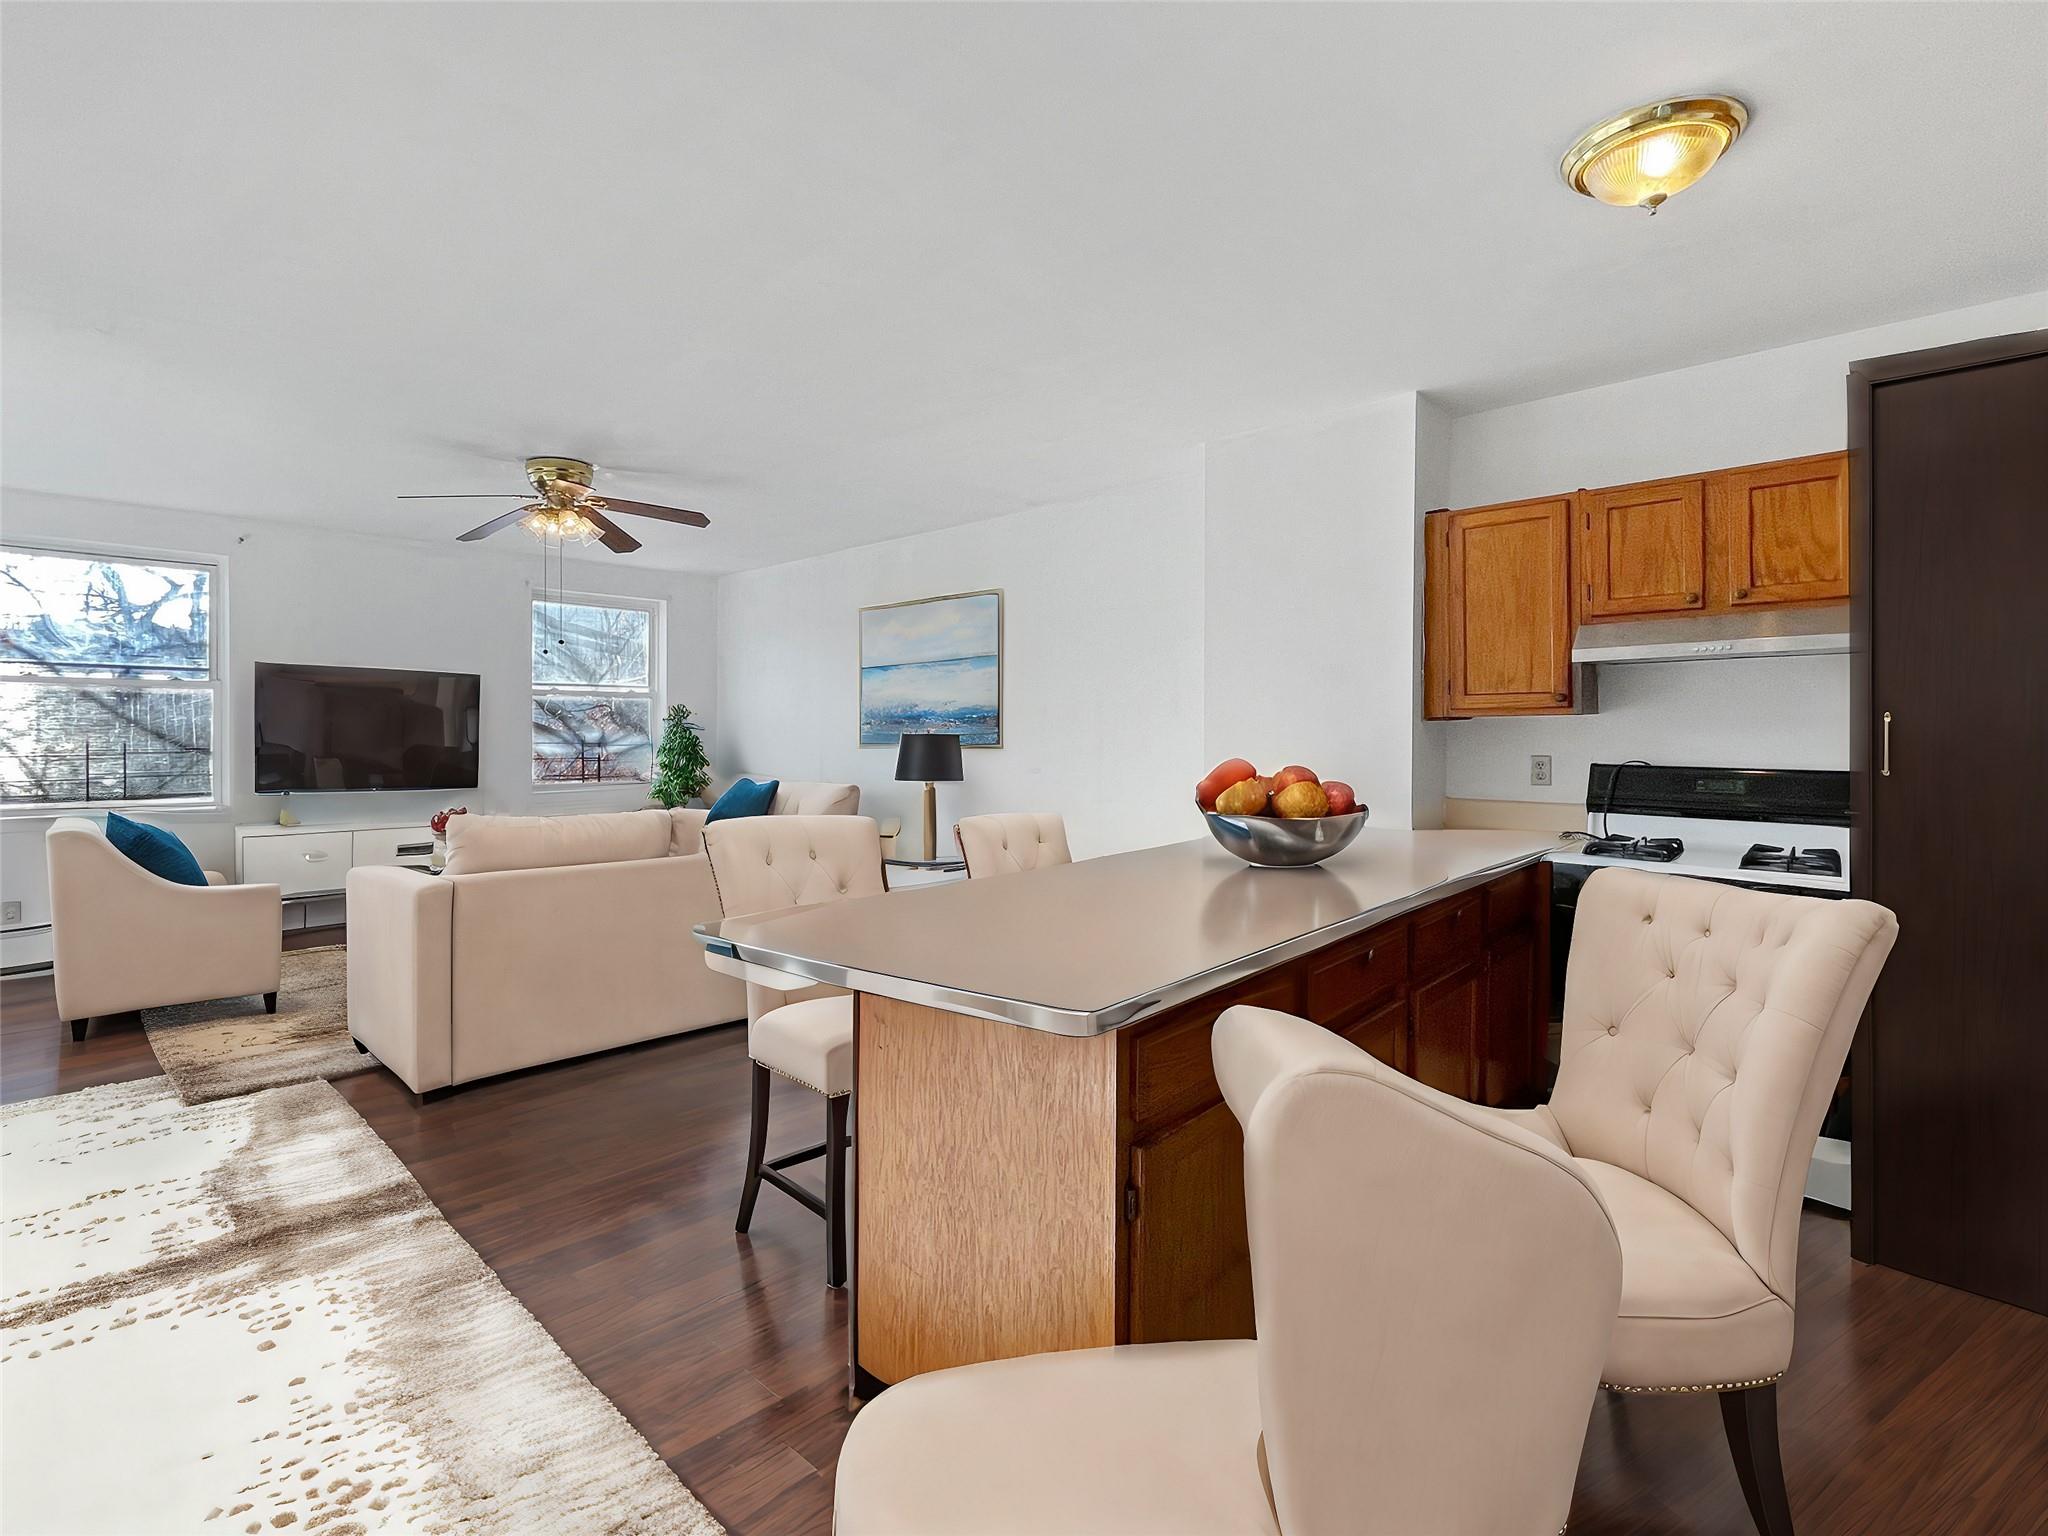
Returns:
point(245, 1317)
point(216, 1050)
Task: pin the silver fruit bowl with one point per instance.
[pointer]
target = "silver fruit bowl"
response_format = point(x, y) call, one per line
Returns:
point(1276, 842)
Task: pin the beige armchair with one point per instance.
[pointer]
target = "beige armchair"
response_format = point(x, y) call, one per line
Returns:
point(124, 938)
point(1704, 1032)
point(1011, 843)
point(766, 863)
point(1398, 1328)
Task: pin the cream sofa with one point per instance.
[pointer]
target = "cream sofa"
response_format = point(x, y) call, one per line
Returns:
point(547, 937)
point(123, 938)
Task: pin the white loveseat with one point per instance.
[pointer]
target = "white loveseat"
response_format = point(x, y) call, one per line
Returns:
point(546, 938)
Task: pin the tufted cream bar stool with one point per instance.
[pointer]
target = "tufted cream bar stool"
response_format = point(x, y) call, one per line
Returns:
point(1397, 1329)
point(1704, 1032)
point(1010, 844)
point(762, 864)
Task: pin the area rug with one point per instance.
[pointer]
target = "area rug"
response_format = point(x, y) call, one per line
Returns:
point(217, 1050)
point(246, 1317)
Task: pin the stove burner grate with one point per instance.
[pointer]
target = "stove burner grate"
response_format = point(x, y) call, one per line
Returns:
point(1793, 861)
point(1654, 850)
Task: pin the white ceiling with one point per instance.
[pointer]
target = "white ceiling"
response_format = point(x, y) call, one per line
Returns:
point(835, 274)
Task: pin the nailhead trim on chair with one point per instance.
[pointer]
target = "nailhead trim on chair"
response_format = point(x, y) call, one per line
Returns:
point(1717, 1386)
point(790, 1077)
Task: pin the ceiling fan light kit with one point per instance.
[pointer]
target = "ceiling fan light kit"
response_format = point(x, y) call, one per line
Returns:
point(569, 511)
point(1641, 157)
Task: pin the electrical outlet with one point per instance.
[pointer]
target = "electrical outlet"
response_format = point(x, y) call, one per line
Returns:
point(1539, 768)
point(10, 911)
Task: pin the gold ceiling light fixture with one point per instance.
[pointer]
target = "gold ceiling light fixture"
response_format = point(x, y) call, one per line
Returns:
point(563, 509)
point(1643, 156)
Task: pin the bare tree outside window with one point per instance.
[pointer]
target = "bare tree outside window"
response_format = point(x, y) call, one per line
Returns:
point(107, 679)
point(593, 692)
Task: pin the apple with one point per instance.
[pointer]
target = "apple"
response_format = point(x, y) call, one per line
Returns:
point(1303, 800)
point(1234, 771)
point(1293, 773)
point(1343, 799)
point(1244, 798)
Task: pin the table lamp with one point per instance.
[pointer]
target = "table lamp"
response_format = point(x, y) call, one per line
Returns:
point(934, 758)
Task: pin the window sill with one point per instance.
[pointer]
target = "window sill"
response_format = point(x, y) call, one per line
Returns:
point(588, 789)
point(100, 807)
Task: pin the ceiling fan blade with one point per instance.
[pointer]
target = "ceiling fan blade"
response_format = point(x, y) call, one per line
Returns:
point(613, 537)
point(648, 509)
point(485, 530)
point(474, 496)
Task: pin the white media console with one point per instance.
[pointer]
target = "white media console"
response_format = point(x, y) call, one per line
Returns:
point(310, 862)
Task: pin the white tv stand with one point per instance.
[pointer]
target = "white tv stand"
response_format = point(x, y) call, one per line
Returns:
point(310, 862)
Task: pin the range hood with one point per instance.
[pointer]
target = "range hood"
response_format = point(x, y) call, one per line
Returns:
point(1711, 637)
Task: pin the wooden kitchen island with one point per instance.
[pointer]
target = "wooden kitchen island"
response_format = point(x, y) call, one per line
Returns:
point(1042, 1156)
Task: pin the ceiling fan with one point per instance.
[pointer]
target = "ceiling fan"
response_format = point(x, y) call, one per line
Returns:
point(567, 508)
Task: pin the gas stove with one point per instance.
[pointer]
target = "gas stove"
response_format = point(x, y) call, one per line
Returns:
point(1775, 828)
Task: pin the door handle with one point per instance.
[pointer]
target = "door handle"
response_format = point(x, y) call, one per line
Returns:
point(1884, 759)
point(315, 856)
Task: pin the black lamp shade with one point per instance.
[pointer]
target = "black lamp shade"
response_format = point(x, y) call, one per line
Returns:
point(929, 759)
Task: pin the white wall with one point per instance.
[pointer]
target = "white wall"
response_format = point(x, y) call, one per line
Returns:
point(1102, 665)
point(309, 595)
point(1764, 713)
point(1311, 617)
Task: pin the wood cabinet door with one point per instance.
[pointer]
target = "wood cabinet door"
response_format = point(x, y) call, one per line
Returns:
point(1642, 549)
point(1512, 1019)
point(1383, 1033)
point(1510, 608)
point(1436, 617)
point(1445, 1025)
point(1191, 1268)
point(1784, 530)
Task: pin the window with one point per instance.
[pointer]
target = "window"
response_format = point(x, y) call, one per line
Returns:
point(595, 685)
point(109, 679)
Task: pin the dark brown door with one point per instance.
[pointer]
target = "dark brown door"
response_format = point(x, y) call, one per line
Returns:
point(1955, 1113)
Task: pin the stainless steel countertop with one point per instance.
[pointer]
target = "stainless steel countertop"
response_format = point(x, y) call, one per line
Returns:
point(1081, 949)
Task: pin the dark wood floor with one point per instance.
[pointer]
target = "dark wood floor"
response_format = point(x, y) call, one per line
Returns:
point(603, 1192)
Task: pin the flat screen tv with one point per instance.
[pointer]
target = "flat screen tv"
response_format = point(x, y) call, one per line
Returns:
point(347, 729)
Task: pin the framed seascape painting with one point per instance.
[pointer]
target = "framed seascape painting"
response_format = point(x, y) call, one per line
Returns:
point(933, 665)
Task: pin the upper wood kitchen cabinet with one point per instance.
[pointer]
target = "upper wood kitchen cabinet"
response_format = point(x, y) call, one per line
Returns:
point(1779, 533)
point(1642, 549)
point(1497, 610)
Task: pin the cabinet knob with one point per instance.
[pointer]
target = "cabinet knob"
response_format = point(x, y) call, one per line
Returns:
point(315, 856)
point(1691, 599)
point(1741, 593)
point(1561, 698)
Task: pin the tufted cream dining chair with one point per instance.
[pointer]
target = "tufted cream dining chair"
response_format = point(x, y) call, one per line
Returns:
point(765, 863)
point(1011, 843)
point(1705, 1028)
point(1398, 1330)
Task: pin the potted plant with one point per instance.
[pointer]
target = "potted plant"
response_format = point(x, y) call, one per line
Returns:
point(681, 766)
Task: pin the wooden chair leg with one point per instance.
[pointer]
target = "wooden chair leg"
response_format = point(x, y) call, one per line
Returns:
point(1751, 1420)
point(757, 1147)
point(835, 1190)
point(270, 1002)
point(78, 1028)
